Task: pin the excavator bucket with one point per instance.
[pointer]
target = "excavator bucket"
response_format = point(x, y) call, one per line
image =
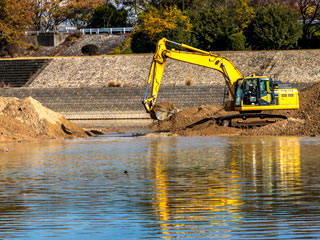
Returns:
point(163, 111)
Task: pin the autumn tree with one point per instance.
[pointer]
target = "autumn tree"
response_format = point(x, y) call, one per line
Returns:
point(15, 18)
point(242, 14)
point(135, 7)
point(181, 4)
point(48, 14)
point(155, 23)
point(80, 12)
point(37, 9)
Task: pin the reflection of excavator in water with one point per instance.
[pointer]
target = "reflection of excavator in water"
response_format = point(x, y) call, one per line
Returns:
point(249, 95)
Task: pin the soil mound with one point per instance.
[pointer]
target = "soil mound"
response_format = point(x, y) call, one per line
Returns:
point(164, 110)
point(196, 121)
point(27, 119)
point(199, 121)
point(302, 122)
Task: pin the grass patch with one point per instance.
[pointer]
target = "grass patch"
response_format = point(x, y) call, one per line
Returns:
point(123, 48)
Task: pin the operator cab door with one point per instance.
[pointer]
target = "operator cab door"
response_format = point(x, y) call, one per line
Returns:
point(253, 92)
point(266, 94)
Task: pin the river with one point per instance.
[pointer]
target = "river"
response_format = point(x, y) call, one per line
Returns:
point(120, 186)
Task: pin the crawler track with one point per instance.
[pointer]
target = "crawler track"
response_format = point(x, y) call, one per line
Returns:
point(249, 120)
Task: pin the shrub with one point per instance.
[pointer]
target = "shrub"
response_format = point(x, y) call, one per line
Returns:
point(13, 50)
point(236, 42)
point(116, 51)
point(188, 81)
point(90, 50)
point(123, 48)
point(114, 84)
point(5, 85)
point(74, 36)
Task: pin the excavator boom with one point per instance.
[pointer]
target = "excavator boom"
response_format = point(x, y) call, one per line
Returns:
point(197, 57)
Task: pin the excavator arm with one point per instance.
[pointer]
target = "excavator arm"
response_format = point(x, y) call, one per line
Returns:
point(198, 57)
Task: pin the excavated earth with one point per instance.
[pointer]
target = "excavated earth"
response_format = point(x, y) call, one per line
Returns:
point(28, 120)
point(200, 121)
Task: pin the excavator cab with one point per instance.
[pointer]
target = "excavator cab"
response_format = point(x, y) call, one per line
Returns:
point(252, 91)
point(261, 93)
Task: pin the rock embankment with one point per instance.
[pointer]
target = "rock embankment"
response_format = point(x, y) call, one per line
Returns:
point(294, 66)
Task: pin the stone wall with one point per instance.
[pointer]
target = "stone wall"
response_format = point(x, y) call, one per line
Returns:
point(114, 107)
point(297, 66)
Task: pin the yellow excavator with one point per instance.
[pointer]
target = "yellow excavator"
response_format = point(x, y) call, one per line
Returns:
point(248, 95)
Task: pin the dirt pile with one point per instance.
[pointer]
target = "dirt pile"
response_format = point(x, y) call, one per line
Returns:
point(27, 119)
point(302, 122)
point(196, 121)
point(199, 121)
point(164, 110)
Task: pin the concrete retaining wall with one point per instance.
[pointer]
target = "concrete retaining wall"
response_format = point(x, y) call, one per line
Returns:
point(51, 39)
point(114, 107)
point(132, 70)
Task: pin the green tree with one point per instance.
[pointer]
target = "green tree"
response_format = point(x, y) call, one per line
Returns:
point(107, 15)
point(211, 28)
point(155, 23)
point(274, 27)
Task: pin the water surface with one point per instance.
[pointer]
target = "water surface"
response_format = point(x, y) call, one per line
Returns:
point(122, 187)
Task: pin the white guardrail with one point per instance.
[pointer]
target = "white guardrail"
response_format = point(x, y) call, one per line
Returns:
point(121, 30)
point(106, 30)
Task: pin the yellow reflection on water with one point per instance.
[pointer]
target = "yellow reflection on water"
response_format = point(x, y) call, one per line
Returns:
point(269, 159)
point(289, 162)
point(259, 160)
point(190, 201)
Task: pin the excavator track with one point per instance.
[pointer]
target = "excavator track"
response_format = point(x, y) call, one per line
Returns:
point(249, 120)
